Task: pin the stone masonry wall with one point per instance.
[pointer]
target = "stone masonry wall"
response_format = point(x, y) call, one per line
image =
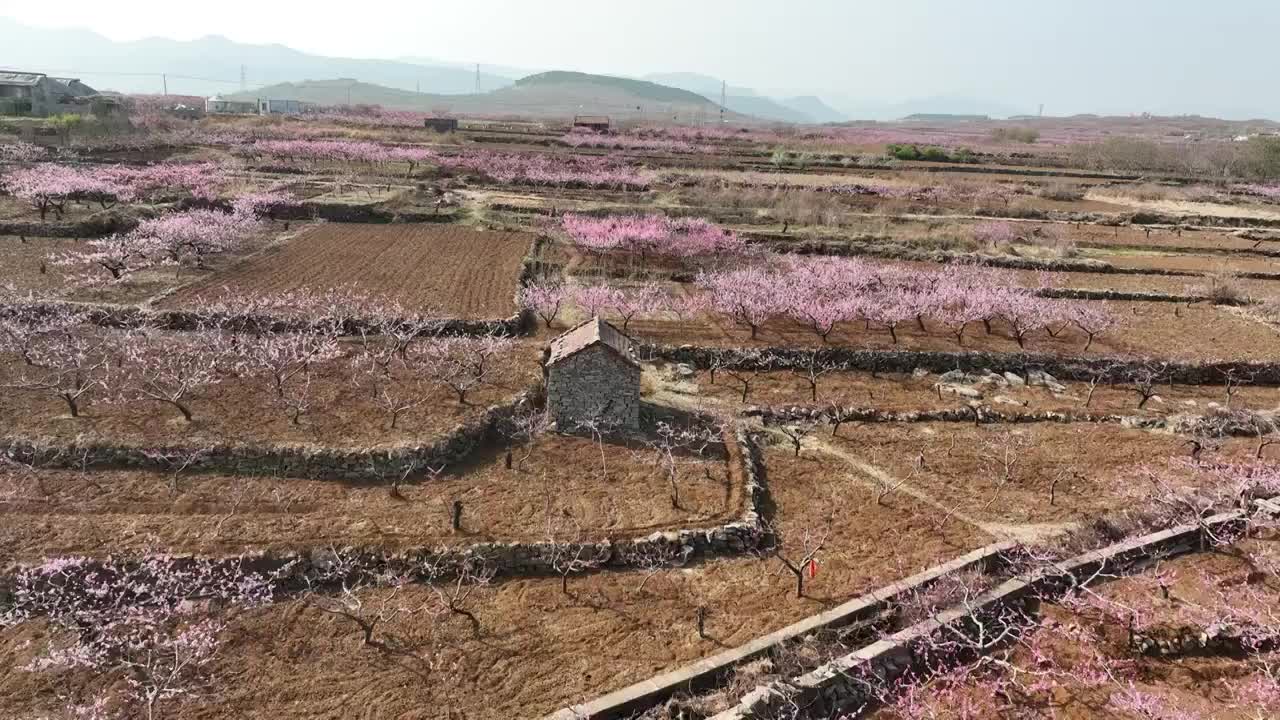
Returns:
point(594, 384)
point(297, 569)
point(284, 460)
point(1109, 369)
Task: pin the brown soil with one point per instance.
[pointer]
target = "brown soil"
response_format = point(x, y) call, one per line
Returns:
point(1194, 263)
point(457, 272)
point(907, 393)
point(58, 512)
point(1169, 285)
point(1199, 332)
point(540, 649)
point(1097, 467)
point(240, 410)
point(1201, 687)
point(17, 210)
point(20, 266)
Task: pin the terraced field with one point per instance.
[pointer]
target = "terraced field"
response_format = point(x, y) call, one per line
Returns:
point(453, 271)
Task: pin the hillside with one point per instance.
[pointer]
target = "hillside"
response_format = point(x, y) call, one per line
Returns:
point(817, 109)
point(209, 65)
point(749, 102)
point(346, 91)
point(549, 95)
point(559, 80)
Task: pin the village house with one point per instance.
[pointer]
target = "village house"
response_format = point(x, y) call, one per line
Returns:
point(594, 123)
point(39, 95)
point(593, 377)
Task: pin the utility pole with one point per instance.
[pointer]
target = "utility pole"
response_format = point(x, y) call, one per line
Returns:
point(1041, 109)
point(164, 81)
point(724, 92)
point(477, 78)
point(417, 86)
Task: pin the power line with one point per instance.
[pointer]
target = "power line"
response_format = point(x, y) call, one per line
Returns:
point(127, 74)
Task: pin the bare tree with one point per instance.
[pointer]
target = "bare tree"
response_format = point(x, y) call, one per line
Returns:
point(454, 578)
point(812, 369)
point(802, 557)
point(525, 428)
point(797, 431)
point(176, 461)
point(357, 599)
point(651, 558)
point(566, 552)
point(671, 445)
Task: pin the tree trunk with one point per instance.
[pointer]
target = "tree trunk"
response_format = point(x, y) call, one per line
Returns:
point(186, 412)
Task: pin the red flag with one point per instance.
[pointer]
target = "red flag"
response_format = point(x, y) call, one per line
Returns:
point(813, 569)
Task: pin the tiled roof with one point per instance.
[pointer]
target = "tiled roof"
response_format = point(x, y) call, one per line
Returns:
point(19, 78)
point(592, 332)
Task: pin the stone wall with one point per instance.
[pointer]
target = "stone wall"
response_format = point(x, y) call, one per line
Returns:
point(284, 460)
point(95, 227)
point(300, 569)
point(1250, 424)
point(133, 316)
point(1110, 369)
point(845, 684)
point(594, 384)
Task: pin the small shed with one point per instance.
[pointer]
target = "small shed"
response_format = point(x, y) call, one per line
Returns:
point(593, 376)
point(37, 94)
point(594, 123)
point(441, 125)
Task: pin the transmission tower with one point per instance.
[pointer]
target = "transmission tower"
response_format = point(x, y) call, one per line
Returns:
point(477, 78)
point(244, 85)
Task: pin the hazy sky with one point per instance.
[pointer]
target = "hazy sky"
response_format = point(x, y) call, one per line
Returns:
point(1074, 56)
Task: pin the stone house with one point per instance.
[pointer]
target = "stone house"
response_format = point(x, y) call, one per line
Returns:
point(39, 95)
point(594, 123)
point(593, 376)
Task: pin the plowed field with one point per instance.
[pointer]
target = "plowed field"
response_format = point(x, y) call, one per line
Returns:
point(453, 271)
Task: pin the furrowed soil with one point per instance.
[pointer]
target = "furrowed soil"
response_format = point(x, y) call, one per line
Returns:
point(453, 271)
point(906, 393)
point(242, 410)
point(1160, 329)
point(538, 648)
point(1017, 475)
point(1225, 687)
point(48, 513)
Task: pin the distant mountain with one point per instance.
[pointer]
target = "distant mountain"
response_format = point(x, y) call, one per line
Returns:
point(859, 109)
point(348, 91)
point(749, 102)
point(558, 95)
point(507, 72)
point(815, 108)
point(208, 65)
point(640, 89)
point(704, 85)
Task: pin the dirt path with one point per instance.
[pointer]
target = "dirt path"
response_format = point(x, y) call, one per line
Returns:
point(876, 478)
point(664, 392)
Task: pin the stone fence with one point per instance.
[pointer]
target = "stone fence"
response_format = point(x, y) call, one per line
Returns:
point(846, 685)
point(1106, 369)
point(92, 228)
point(283, 460)
point(133, 316)
point(708, 672)
point(1231, 424)
point(298, 570)
point(896, 251)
